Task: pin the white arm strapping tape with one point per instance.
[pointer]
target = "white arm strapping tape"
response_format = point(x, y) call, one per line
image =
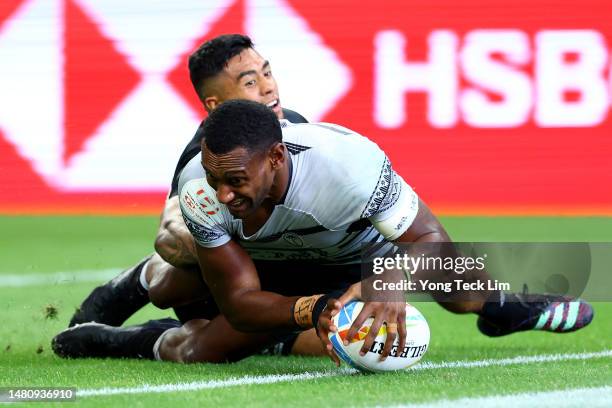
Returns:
point(393, 222)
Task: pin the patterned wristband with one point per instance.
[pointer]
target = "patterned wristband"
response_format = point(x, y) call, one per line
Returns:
point(302, 310)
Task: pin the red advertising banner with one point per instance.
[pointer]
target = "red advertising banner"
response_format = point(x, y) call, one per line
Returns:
point(483, 107)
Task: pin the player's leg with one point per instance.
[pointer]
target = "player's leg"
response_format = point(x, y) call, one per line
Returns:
point(101, 340)
point(111, 306)
point(209, 341)
point(169, 286)
point(287, 278)
point(501, 313)
point(200, 340)
point(507, 313)
point(115, 301)
point(307, 343)
point(152, 279)
point(185, 291)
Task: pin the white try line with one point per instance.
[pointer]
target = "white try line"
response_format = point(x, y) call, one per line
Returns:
point(58, 278)
point(203, 385)
point(543, 358)
point(577, 397)
point(270, 379)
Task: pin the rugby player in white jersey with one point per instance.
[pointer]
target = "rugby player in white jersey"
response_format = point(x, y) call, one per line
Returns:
point(223, 68)
point(279, 217)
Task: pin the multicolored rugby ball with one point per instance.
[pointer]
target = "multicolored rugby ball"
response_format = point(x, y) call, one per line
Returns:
point(417, 341)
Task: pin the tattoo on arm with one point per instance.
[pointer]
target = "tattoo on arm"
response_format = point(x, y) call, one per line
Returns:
point(174, 242)
point(178, 251)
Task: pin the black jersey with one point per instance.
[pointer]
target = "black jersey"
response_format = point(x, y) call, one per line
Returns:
point(193, 148)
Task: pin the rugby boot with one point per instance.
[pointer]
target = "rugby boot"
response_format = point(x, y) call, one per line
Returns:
point(103, 341)
point(115, 301)
point(554, 313)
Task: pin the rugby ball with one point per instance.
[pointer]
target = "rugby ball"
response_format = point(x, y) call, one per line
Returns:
point(417, 341)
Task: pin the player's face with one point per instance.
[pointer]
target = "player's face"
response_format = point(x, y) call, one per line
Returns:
point(242, 180)
point(247, 76)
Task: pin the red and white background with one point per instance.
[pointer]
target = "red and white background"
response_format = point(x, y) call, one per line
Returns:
point(484, 108)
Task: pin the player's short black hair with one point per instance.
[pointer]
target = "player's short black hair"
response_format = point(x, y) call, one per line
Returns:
point(241, 123)
point(212, 57)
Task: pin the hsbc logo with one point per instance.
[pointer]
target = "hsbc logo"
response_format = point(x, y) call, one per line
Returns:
point(557, 78)
point(96, 104)
point(93, 96)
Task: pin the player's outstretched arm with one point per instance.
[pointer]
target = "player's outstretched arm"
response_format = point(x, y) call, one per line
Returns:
point(231, 275)
point(174, 243)
point(424, 228)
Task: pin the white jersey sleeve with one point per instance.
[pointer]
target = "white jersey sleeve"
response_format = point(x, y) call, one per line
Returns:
point(203, 214)
point(348, 177)
point(397, 210)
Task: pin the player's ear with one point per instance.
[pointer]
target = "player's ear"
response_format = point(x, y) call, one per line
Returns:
point(210, 103)
point(277, 155)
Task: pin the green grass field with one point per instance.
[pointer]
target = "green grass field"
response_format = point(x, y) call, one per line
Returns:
point(65, 257)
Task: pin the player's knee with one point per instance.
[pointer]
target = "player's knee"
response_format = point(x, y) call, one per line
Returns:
point(172, 287)
point(160, 290)
point(160, 298)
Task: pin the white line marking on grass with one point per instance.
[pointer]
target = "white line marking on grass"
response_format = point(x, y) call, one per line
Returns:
point(578, 397)
point(544, 358)
point(270, 379)
point(58, 278)
point(202, 385)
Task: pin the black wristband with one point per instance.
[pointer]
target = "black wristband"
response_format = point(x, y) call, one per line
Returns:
point(320, 306)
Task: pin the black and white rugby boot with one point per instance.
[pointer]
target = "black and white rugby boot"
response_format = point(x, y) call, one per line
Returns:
point(103, 341)
point(521, 312)
point(115, 301)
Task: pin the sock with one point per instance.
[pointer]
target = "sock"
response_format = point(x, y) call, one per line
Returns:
point(139, 341)
point(142, 280)
point(157, 345)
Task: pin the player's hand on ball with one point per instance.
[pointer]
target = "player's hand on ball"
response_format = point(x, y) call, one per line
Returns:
point(325, 325)
point(392, 314)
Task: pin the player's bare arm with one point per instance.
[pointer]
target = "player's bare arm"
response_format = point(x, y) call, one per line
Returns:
point(424, 228)
point(174, 243)
point(233, 279)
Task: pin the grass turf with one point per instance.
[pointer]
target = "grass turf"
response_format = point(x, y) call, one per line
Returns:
point(49, 244)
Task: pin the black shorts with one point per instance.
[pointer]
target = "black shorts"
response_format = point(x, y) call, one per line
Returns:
point(297, 278)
